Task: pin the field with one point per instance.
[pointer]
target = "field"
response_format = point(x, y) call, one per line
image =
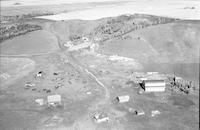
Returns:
point(92, 62)
point(14, 68)
point(34, 43)
point(176, 9)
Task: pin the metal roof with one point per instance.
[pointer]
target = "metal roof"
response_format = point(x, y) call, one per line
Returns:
point(154, 86)
point(153, 81)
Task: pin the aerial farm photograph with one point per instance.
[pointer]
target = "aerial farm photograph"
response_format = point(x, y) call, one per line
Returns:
point(99, 64)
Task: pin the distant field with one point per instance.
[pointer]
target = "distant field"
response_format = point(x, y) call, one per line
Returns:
point(9, 8)
point(8, 3)
point(182, 9)
point(33, 43)
point(92, 9)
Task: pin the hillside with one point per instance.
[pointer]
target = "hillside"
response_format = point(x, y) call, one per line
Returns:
point(107, 28)
point(143, 37)
point(170, 43)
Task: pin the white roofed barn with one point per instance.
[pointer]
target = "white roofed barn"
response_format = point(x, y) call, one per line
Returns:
point(154, 85)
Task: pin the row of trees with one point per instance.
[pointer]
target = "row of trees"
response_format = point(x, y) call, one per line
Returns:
point(119, 26)
point(7, 32)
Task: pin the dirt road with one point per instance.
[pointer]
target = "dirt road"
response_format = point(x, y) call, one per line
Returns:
point(92, 75)
point(69, 55)
point(83, 122)
point(107, 93)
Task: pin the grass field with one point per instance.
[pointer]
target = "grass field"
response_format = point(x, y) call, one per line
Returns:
point(34, 43)
point(13, 69)
point(169, 43)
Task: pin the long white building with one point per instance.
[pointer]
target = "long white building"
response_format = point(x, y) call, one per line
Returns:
point(154, 85)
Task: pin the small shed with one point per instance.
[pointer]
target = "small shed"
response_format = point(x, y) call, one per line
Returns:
point(54, 100)
point(101, 117)
point(139, 112)
point(153, 85)
point(142, 79)
point(123, 99)
point(178, 79)
point(39, 74)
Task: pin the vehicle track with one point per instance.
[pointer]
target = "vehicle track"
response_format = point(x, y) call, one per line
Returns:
point(79, 66)
point(73, 60)
point(82, 122)
point(95, 79)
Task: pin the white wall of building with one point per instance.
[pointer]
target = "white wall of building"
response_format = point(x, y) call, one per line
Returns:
point(155, 84)
point(155, 89)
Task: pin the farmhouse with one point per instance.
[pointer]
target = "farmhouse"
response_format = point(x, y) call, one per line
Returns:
point(153, 85)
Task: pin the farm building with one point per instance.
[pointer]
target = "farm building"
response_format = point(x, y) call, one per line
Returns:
point(153, 85)
point(122, 99)
point(101, 117)
point(54, 100)
point(39, 74)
